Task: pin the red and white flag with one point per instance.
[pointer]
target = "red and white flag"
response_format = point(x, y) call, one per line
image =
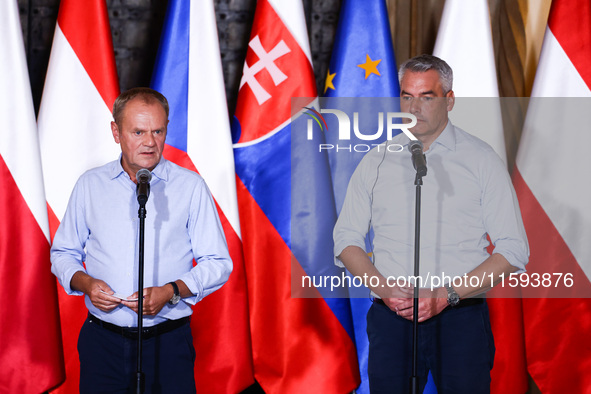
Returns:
point(31, 358)
point(74, 130)
point(464, 41)
point(554, 190)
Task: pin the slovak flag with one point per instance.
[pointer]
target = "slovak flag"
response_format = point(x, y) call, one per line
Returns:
point(74, 131)
point(198, 138)
point(298, 343)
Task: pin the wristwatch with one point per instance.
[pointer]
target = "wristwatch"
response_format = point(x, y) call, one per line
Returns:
point(177, 294)
point(453, 298)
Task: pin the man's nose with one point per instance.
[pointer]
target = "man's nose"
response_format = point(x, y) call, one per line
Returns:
point(414, 106)
point(149, 139)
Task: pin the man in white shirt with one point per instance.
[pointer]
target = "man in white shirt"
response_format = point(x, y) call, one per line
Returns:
point(467, 195)
point(95, 254)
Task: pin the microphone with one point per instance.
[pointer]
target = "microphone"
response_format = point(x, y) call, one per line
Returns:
point(142, 190)
point(419, 161)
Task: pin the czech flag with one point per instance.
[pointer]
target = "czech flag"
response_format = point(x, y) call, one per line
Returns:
point(189, 73)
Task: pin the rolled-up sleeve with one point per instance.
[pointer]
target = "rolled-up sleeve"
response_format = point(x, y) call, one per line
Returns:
point(353, 223)
point(67, 250)
point(210, 249)
point(502, 216)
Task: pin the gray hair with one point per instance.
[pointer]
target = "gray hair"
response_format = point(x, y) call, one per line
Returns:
point(147, 95)
point(424, 63)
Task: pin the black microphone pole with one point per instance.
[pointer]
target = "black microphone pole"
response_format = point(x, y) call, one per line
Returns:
point(143, 177)
point(420, 164)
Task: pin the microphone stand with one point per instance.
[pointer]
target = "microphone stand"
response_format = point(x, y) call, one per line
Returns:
point(140, 379)
point(414, 380)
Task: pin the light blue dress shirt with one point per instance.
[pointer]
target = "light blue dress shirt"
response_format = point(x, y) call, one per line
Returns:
point(467, 194)
point(101, 229)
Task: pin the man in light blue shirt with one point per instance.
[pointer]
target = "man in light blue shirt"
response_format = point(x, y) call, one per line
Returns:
point(95, 253)
point(467, 194)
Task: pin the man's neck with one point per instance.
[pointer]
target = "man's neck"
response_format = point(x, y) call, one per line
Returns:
point(427, 140)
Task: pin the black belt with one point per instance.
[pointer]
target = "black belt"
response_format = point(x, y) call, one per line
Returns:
point(147, 332)
point(463, 303)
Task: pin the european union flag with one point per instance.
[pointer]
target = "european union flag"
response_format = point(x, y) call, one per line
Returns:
point(362, 63)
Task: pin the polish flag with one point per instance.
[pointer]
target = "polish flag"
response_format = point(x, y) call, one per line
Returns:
point(31, 358)
point(464, 41)
point(554, 190)
point(74, 130)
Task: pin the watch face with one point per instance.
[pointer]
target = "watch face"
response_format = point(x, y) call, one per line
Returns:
point(453, 299)
point(175, 299)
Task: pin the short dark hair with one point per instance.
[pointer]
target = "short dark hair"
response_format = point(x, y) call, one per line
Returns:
point(147, 95)
point(424, 63)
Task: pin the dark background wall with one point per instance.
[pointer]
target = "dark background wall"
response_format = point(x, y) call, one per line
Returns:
point(136, 27)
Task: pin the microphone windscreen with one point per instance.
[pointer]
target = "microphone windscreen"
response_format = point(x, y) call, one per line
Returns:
point(143, 175)
point(414, 146)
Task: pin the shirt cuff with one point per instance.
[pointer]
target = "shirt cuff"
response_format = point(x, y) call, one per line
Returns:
point(342, 245)
point(516, 260)
point(194, 287)
point(66, 281)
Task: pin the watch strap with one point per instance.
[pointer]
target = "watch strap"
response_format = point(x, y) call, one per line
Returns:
point(177, 294)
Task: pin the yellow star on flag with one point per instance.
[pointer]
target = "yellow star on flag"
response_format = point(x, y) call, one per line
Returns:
point(328, 83)
point(370, 66)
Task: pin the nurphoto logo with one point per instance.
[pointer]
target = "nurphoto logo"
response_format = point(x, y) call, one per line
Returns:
point(385, 121)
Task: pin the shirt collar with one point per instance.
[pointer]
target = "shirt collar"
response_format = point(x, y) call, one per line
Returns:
point(117, 168)
point(447, 138)
point(160, 171)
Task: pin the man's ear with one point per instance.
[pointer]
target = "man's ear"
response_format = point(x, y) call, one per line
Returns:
point(115, 131)
point(451, 100)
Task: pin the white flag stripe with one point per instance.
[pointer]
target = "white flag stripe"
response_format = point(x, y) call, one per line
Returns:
point(554, 62)
point(535, 25)
point(292, 15)
point(19, 144)
point(209, 142)
point(74, 125)
point(558, 178)
point(464, 41)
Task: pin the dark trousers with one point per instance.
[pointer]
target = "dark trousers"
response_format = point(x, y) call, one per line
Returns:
point(108, 361)
point(456, 346)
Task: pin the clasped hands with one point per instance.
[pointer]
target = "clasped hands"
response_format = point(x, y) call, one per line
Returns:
point(400, 300)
